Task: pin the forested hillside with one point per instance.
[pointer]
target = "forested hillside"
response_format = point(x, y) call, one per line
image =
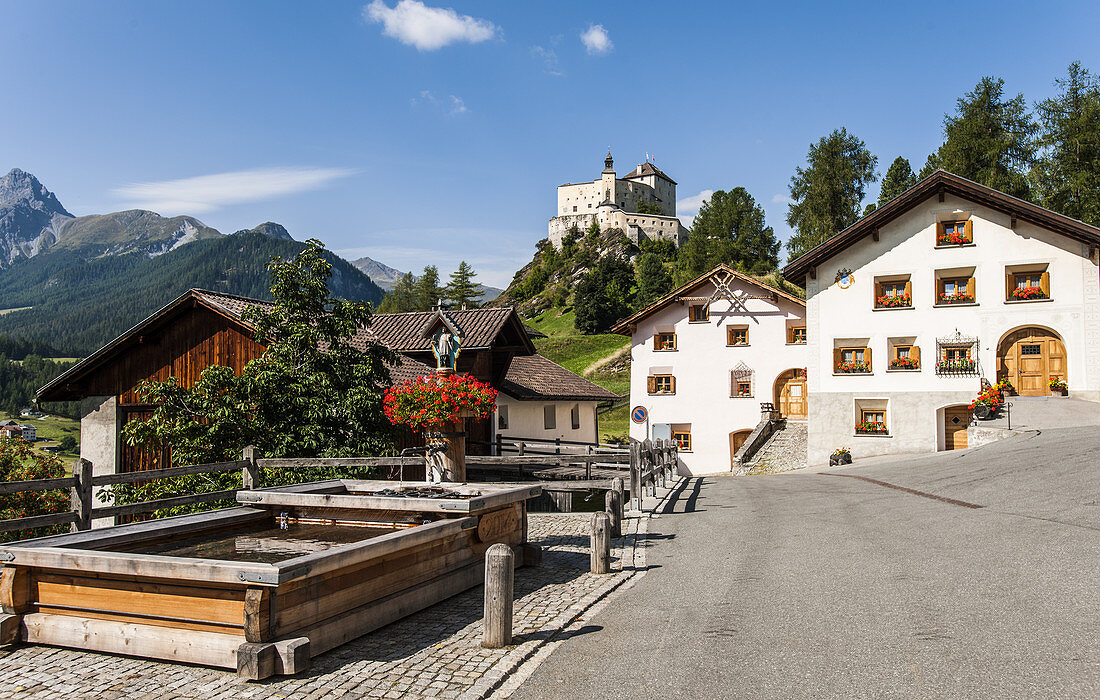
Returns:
point(77, 305)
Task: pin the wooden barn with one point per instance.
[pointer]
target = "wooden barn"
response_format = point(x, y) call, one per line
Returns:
point(201, 329)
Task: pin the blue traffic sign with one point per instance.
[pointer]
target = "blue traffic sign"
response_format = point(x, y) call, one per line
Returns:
point(639, 414)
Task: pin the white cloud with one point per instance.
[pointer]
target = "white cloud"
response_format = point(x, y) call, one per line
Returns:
point(193, 195)
point(549, 59)
point(596, 40)
point(452, 105)
point(781, 199)
point(427, 28)
point(688, 207)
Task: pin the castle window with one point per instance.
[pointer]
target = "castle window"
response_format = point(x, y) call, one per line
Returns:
point(574, 208)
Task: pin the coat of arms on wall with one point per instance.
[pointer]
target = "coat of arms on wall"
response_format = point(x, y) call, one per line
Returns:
point(845, 278)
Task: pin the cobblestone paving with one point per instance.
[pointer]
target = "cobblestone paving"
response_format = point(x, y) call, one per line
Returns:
point(786, 450)
point(432, 654)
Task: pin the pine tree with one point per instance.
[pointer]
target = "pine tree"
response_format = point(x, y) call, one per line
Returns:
point(1067, 176)
point(899, 177)
point(402, 297)
point(428, 291)
point(730, 229)
point(654, 281)
point(604, 295)
point(828, 193)
point(462, 291)
point(988, 140)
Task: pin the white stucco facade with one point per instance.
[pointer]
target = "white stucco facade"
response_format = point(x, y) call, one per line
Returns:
point(613, 203)
point(703, 363)
point(913, 400)
point(528, 419)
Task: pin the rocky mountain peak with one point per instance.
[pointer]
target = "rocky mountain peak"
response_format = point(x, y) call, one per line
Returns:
point(272, 230)
point(19, 187)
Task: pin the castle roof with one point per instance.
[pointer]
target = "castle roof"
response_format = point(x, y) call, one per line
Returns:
point(645, 170)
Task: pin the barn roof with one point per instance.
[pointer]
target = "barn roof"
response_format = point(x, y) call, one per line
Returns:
point(535, 377)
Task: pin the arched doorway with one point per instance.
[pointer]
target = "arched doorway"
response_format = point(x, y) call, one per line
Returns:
point(955, 421)
point(790, 393)
point(737, 439)
point(1029, 357)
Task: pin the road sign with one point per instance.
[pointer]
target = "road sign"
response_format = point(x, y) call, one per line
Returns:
point(639, 414)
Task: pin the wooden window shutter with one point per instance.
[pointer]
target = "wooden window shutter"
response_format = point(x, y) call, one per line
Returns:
point(1008, 286)
point(837, 357)
point(909, 289)
point(673, 341)
point(1044, 283)
point(867, 358)
point(651, 384)
point(914, 353)
point(970, 289)
point(656, 341)
point(968, 230)
point(672, 385)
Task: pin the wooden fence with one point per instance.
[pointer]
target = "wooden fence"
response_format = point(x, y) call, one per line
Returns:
point(649, 464)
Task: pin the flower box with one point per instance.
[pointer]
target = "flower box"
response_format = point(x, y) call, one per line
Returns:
point(952, 239)
point(956, 299)
point(898, 301)
point(853, 368)
point(1028, 293)
point(1058, 386)
point(956, 367)
point(904, 363)
point(436, 401)
point(871, 428)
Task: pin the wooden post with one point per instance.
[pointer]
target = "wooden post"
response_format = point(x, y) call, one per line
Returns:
point(600, 544)
point(588, 465)
point(255, 662)
point(499, 573)
point(557, 445)
point(80, 496)
point(250, 474)
point(618, 487)
point(520, 447)
point(613, 506)
point(500, 445)
point(454, 459)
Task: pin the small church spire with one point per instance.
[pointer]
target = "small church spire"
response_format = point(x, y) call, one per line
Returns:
point(608, 162)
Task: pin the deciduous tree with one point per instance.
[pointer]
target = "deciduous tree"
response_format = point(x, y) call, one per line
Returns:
point(604, 295)
point(827, 194)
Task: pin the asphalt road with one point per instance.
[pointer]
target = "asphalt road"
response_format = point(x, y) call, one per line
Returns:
point(818, 585)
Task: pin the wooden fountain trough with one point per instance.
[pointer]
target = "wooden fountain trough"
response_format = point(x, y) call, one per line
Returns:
point(292, 573)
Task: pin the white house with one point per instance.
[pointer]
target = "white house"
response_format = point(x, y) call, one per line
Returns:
point(703, 359)
point(948, 284)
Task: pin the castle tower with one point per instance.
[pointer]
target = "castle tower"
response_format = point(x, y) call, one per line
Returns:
point(607, 180)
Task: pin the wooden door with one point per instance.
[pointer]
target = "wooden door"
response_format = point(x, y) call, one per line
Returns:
point(955, 420)
point(1029, 357)
point(792, 394)
point(737, 439)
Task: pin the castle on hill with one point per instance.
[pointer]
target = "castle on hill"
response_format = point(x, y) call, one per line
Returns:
point(614, 203)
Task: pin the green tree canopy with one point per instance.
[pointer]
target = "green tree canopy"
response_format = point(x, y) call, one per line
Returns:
point(1067, 175)
point(604, 295)
point(428, 291)
point(402, 297)
point(651, 208)
point(654, 280)
point(310, 394)
point(730, 229)
point(899, 177)
point(989, 140)
point(828, 192)
point(461, 291)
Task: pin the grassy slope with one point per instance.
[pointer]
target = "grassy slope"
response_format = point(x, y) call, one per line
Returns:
point(50, 430)
point(577, 352)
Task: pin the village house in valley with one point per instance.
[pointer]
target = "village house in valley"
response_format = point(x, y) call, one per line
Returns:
point(613, 203)
point(707, 355)
point(948, 285)
point(538, 399)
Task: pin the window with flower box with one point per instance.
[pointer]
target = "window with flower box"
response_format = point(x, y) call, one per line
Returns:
point(663, 342)
point(796, 335)
point(871, 417)
point(957, 355)
point(955, 287)
point(661, 384)
point(954, 233)
point(741, 381)
point(893, 292)
point(904, 355)
point(737, 335)
point(1027, 284)
point(682, 438)
point(852, 360)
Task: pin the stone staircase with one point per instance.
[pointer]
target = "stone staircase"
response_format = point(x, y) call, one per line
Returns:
point(785, 450)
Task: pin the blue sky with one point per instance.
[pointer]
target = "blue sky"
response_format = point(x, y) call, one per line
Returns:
point(420, 136)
